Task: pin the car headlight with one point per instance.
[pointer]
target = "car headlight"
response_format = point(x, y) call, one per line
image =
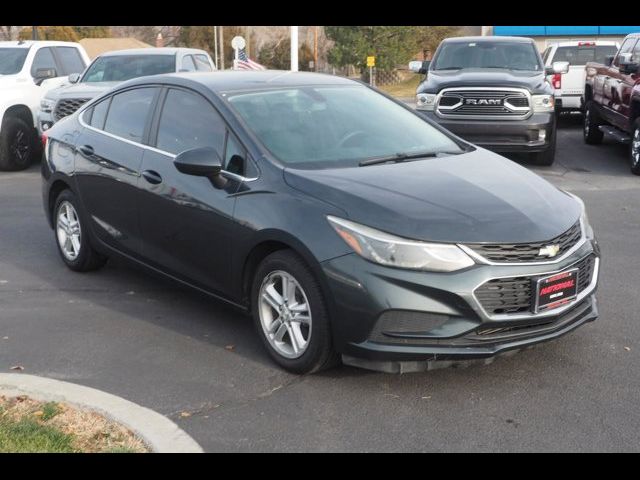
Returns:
point(543, 103)
point(392, 251)
point(47, 105)
point(425, 101)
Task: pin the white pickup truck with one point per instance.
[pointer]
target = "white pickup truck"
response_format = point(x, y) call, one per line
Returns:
point(28, 69)
point(569, 88)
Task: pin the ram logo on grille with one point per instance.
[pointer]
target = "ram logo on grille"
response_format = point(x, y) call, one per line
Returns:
point(483, 101)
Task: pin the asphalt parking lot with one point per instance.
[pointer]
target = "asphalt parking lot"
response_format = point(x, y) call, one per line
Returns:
point(200, 363)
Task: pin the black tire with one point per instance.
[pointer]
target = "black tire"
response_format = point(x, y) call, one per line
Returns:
point(590, 123)
point(634, 149)
point(548, 156)
point(87, 258)
point(319, 353)
point(18, 144)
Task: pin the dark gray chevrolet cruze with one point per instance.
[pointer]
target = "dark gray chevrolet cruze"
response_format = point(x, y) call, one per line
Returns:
point(345, 223)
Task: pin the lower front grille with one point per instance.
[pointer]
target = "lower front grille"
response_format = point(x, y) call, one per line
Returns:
point(68, 106)
point(516, 294)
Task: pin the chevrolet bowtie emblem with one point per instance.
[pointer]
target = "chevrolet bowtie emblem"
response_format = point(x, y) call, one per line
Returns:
point(549, 251)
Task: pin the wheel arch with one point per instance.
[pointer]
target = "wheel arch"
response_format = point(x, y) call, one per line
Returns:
point(56, 188)
point(20, 111)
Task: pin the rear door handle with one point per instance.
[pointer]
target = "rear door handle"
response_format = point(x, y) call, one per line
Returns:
point(152, 177)
point(86, 150)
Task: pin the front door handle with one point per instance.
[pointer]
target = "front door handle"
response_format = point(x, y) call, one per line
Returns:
point(152, 177)
point(86, 150)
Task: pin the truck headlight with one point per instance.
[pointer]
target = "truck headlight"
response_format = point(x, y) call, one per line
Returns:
point(47, 105)
point(392, 251)
point(543, 103)
point(425, 101)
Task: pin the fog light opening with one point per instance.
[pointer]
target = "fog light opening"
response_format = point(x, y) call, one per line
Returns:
point(542, 135)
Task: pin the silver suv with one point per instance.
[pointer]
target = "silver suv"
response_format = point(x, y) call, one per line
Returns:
point(111, 68)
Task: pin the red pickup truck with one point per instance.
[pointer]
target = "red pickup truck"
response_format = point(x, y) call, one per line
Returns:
point(612, 99)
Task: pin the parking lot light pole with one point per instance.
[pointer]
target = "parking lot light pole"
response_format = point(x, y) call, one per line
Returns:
point(34, 33)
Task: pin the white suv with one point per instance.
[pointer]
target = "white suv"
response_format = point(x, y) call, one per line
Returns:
point(569, 88)
point(28, 69)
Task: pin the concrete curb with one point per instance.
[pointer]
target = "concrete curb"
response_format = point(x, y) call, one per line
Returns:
point(160, 433)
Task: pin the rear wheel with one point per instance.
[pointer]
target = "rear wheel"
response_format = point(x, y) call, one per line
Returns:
point(71, 236)
point(635, 148)
point(291, 315)
point(591, 122)
point(18, 144)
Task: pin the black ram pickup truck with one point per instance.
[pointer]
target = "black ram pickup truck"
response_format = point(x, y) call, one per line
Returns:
point(492, 91)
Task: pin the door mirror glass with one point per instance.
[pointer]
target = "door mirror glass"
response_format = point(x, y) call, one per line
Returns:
point(44, 73)
point(609, 60)
point(201, 162)
point(74, 77)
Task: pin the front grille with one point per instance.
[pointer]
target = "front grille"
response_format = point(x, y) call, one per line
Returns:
point(528, 252)
point(506, 103)
point(67, 106)
point(516, 294)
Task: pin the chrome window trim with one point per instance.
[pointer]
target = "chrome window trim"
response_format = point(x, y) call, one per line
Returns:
point(529, 109)
point(476, 256)
point(545, 313)
point(231, 175)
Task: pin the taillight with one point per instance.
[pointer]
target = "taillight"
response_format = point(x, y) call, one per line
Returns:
point(556, 81)
point(586, 44)
point(44, 140)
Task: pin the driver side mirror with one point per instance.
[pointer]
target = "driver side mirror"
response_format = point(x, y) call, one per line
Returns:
point(74, 77)
point(201, 162)
point(608, 60)
point(626, 65)
point(557, 67)
point(419, 67)
point(43, 74)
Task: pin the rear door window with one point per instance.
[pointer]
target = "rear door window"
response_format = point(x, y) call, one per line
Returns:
point(188, 64)
point(129, 112)
point(202, 63)
point(70, 60)
point(100, 114)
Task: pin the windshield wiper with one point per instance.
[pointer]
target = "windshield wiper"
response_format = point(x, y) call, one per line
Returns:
point(402, 157)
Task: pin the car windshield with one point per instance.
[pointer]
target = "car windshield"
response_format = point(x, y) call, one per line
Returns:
point(580, 55)
point(487, 54)
point(12, 60)
point(118, 68)
point(336, 126)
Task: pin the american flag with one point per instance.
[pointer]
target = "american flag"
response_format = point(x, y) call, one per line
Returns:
point(245, 63)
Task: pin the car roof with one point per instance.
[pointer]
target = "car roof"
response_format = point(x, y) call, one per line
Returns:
point(488, 39)
point(30, 43)
point(234, 80)
point(152, 51)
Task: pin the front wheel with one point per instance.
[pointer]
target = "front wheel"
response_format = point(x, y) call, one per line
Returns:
point(18, 144)
point(635, 148)
point(71, 236)
point(291, 315)
point(548, 156)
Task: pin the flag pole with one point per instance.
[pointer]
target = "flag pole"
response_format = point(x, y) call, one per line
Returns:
point(294, 49)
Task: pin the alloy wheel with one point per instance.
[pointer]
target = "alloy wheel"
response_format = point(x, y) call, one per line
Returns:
point(285, 314)
point(635, 148)
point(68, 231)
point(20, 146)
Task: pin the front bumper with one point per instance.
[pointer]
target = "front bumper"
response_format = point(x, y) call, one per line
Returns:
point(398, 320)
point(502, 135)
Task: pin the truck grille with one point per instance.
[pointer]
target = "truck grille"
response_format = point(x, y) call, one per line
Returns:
point(516, 294)
point(466, 102)
point(528, 252)
point(67, 106)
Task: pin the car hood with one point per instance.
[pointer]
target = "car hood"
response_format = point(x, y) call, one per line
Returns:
point(474, 197)
point(478, 77)
point(81, 90)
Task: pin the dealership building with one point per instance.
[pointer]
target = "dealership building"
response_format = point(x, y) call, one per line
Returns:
point(543, 36)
